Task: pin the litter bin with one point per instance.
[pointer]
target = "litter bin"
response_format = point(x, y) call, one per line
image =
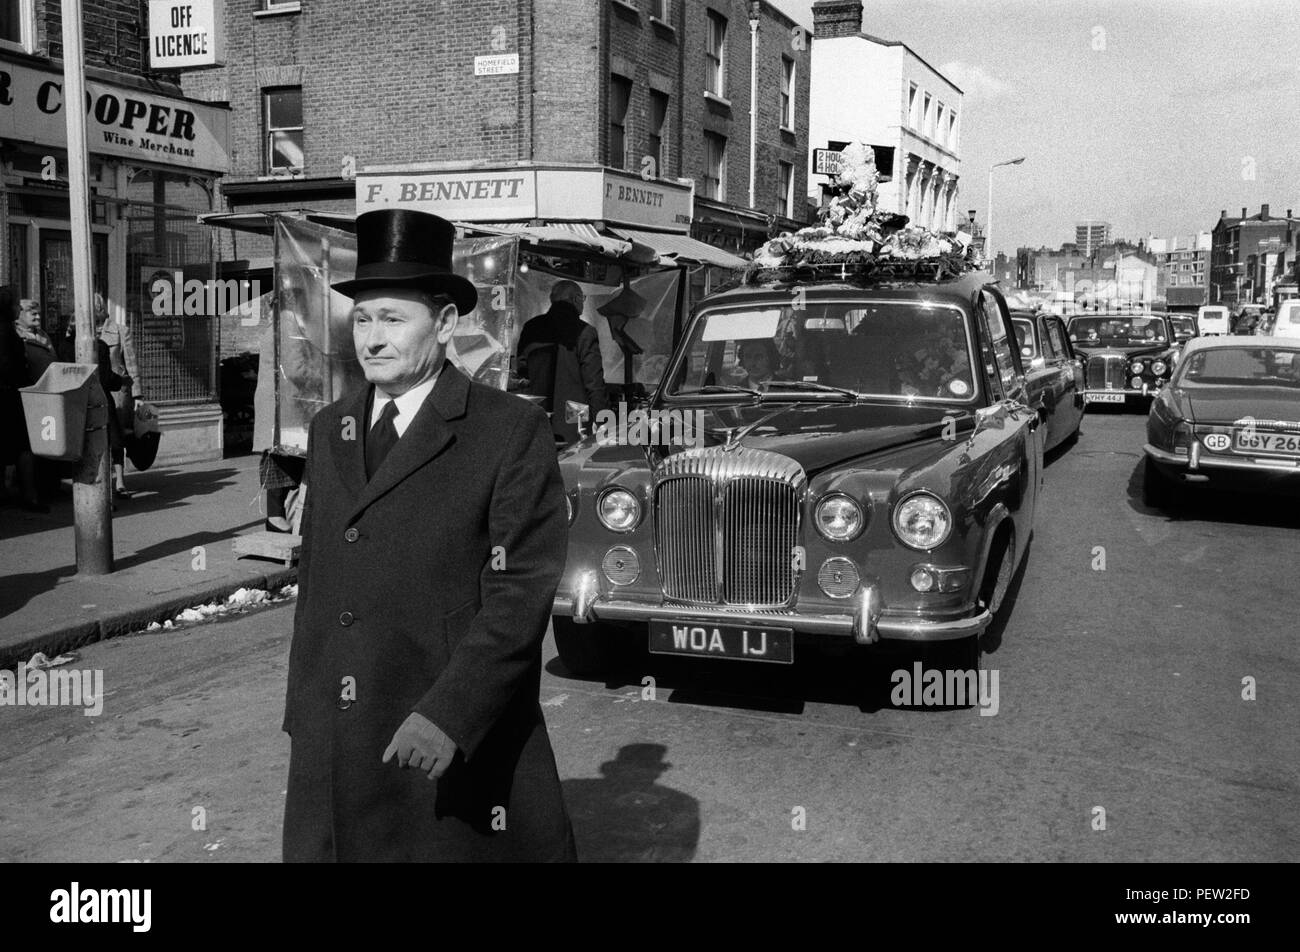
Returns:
point(56, 408)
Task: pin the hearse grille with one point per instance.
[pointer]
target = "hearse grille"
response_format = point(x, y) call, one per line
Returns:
point(1106, 372)
point(726, 527)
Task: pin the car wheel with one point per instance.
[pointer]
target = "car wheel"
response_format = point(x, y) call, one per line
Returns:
point(1158, 491)
point(591, 649)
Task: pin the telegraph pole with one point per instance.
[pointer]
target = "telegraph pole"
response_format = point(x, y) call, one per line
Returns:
point(92, 485)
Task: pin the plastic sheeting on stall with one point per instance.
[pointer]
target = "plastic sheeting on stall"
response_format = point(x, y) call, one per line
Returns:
point(652, 329)
point(315, 361)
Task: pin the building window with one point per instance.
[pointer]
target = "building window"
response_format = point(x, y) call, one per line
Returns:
point(716, 55)
point(787, 92)
point(911, 105)
point(715, 166)
point(661, 9)
point(940, 125)
point(952, 131)
point(620, 94)
point(785, 189)
point(927, 119)
point(658, 126)
point(16, 18)
point(282, 113)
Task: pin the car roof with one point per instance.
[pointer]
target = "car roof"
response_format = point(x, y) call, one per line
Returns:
point(1223, 343)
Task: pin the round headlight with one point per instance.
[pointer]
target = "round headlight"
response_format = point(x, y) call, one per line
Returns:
point(1136, 383)
point(839, 518)
point(1159, 367)
point(922, 521)
point(618, 510)
point(1137, 366)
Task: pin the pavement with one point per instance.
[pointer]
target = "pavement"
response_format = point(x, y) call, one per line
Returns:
point(172, 550)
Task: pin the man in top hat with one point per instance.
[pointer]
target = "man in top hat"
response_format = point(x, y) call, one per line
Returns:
point(434, 535)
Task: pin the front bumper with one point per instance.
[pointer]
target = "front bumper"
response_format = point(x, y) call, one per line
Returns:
point(866, 622)
point(1147, 390)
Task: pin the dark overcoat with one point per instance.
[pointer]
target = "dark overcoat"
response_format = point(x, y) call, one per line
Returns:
point(559, 353)
point(426, 589)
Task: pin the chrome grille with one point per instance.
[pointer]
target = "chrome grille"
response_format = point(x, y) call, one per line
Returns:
point(726, 525)
point(1105, 372)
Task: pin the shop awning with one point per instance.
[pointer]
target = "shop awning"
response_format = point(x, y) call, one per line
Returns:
point(682, 248)
point(579, 234)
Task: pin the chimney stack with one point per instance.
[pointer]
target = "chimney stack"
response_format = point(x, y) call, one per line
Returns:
point(1243, 212)
point(832, 18)
point(1263, 212)
point(1223, 213)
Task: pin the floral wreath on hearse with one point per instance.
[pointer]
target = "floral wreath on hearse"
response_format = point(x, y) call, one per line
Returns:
point(856, 240)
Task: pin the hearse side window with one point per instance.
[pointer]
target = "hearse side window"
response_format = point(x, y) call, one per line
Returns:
point(1057, 334)
point(1051, 346)
point(1005, 361)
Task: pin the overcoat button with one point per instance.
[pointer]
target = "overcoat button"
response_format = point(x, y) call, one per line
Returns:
point(352, 535)
point(344, 704)
point(346, 619)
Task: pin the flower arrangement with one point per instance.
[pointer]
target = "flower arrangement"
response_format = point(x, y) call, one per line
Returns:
point(854, 235)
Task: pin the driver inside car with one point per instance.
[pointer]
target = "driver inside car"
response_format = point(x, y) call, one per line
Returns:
point(759, 360)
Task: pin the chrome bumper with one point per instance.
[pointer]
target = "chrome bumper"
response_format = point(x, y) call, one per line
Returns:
point(1196, 461)
point(867, 623)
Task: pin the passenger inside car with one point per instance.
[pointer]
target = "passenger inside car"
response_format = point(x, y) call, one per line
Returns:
point(760, 362)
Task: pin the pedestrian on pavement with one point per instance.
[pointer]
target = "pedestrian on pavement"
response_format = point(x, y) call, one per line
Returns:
point(15, 448)
point(434, 534)
point(116, 341)
point(559, 353)
point(38, 347)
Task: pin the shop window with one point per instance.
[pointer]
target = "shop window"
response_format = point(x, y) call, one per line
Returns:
point(715, 50)
point(282, 115)
point(17, 269)
point(16, 24)
point(787, 92)
point(620, 94)
point(715, 166)
point(785, 189)
point(658, 126)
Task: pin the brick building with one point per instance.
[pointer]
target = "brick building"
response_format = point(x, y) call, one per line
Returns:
point(1184, 265)
point(1250, 256)
point(155, 157)
point(321, 90)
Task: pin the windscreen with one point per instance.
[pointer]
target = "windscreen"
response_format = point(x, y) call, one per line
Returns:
point(1118, 330)
point(879, 349)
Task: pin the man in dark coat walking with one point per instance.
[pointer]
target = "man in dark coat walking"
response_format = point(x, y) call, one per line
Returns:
point(559, 353)
point(434, 537)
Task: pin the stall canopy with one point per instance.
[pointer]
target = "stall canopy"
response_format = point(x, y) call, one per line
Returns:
point(671, 247)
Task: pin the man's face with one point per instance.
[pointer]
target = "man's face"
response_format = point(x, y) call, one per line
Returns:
point(399, 340)
point(29, 314)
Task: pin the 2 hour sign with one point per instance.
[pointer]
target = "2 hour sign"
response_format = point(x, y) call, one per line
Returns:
point(185, 35)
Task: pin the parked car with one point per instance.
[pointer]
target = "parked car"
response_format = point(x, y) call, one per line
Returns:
point(1247, 319)
point(1213, 319)
point(1285, 321)
point(1125, 355)
point(1230, 418)
point(867, 474)
point(1184, 327)
point(1053, 373)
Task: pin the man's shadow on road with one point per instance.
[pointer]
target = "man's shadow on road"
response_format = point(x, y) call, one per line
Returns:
point(627, 816)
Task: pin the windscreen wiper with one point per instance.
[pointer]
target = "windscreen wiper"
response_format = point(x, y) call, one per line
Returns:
point(718, 388)
point(812, 385)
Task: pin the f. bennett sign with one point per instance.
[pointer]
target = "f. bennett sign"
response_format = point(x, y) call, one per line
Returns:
point(185, 34)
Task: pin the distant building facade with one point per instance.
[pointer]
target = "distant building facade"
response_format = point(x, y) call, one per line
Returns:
point(1252, 257)
point(1184, 262)
point(1089, 236)
point(883, 94)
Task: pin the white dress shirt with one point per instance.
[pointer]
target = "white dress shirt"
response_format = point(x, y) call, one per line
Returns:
point(408, 405)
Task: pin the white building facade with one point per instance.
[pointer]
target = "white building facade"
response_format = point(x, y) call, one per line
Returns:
point(883, 94)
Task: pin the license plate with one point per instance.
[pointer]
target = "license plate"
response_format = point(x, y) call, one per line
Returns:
point(1104, 397)
point(1277, 444)
point(735, 642)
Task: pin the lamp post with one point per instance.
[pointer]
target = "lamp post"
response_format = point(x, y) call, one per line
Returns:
point(988, 214)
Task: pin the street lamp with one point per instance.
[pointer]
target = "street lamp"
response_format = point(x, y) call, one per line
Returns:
point(988, 214)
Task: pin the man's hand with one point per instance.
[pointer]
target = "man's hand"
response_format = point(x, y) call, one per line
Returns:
point(420, 743)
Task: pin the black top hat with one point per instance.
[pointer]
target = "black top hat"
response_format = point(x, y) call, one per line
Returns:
point(400, 248)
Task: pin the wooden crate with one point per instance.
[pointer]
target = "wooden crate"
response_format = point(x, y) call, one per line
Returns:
point(278, 546)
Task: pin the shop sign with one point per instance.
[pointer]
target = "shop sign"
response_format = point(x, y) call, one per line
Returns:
point(127, 123)
point(525, 193)
point(186, 34)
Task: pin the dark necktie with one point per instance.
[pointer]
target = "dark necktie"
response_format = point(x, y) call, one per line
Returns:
point(381, 438)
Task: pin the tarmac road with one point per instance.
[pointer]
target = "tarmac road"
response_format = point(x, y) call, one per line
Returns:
point(1119, 688)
